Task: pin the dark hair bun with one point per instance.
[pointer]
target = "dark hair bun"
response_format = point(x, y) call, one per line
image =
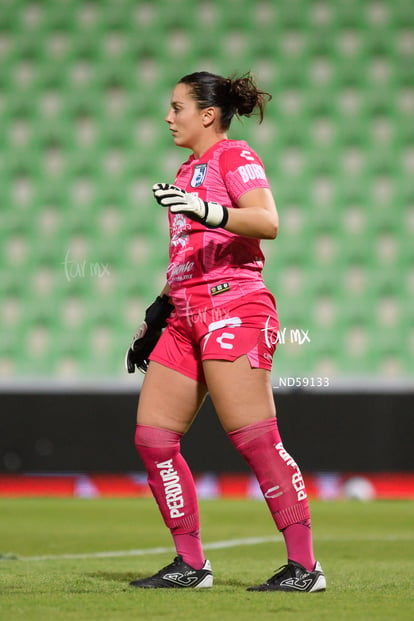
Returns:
point(246, 97)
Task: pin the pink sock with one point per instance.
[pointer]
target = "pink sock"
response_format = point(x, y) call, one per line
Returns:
point(281, 483)
point(188, 545)
point(172, 485)
point(298, 539)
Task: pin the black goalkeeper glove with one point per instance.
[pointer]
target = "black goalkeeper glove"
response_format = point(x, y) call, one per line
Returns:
point(147, 334)
point(212, 215)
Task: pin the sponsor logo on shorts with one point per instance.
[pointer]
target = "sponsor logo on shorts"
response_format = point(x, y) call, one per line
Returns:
point(221, 340)
point(225, 337)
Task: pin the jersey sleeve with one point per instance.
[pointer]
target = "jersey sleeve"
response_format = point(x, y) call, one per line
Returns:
point(242, 170)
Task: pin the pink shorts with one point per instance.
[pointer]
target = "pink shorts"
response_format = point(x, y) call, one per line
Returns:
point(246, 326)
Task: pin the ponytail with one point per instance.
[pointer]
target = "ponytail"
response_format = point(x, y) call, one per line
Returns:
point(234, 96)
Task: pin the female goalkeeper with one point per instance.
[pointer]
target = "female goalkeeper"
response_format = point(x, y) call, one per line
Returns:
point(221, 330)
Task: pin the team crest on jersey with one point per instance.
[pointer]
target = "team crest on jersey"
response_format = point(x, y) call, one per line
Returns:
point(199, 175)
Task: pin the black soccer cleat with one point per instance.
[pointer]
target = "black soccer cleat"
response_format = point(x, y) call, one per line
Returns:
point(178, 575)
point(294, 577)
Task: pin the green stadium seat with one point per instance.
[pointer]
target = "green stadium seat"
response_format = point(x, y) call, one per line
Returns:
point(83, 247)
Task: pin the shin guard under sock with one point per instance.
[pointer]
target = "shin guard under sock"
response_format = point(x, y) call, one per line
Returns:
point(172, 485)
point(279, 478)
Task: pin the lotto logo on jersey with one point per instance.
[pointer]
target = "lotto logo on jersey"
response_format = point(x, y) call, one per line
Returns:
point(199, 175)
point(251, 171)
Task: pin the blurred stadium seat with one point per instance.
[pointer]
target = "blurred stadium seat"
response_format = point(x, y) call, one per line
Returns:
point(84, 89)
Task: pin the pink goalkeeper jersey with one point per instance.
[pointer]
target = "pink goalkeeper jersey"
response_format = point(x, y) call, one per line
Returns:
point(210, 267)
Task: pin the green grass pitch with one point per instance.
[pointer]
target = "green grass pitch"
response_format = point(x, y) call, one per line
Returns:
point(56, 563)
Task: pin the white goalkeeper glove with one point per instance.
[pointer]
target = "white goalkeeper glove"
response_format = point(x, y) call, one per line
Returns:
point(212, 215)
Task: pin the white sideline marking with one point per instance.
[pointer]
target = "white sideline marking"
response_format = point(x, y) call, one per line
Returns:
point(214, 545)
